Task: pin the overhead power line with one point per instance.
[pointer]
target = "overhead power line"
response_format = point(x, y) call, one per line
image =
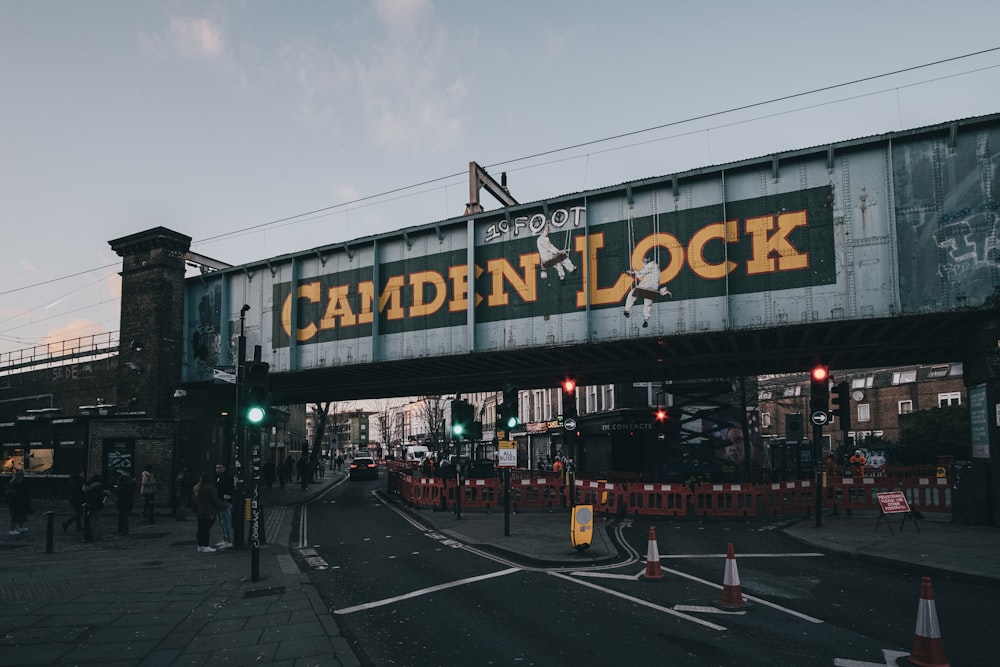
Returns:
point(713, 114)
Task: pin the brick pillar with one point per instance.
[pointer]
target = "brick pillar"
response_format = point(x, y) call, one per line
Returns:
point(152, 319)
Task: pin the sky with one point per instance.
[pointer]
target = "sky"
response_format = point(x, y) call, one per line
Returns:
point(263, 128)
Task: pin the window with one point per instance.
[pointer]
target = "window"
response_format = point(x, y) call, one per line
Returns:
point(765, 395)
point(904, 377)
point(864, 412)
point(863, 382)
point(905, 407)
point(956, 370)
point(765, 420)
point(949, 398)
point(791, 392)
point(938, 372)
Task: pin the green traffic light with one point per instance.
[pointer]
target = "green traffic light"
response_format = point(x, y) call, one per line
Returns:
point(512, 421)
point(256, 414)
point(458, 429)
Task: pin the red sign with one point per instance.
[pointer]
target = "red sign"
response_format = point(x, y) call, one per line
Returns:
point(893, 502)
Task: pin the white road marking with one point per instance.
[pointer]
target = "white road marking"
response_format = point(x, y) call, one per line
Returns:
point(706, 610)
point(805, 554)
point(762, 601)
point(607, 575)
point(424, 591)
point(635, 600)
point(889, 655)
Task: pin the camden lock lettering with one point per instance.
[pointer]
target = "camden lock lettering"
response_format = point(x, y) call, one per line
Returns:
point(634, 426)
point(753, 249)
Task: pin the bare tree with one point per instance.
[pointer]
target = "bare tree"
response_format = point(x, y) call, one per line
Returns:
point(431, 416)
point(383, 412)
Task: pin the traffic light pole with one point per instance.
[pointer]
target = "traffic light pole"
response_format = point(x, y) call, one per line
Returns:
point(241, 435)
point(817, 453)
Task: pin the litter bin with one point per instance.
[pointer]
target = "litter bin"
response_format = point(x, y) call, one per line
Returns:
point(970, 497)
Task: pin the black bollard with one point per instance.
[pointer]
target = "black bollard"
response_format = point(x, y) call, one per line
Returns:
point(50, 518)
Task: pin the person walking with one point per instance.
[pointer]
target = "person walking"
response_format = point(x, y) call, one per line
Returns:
point(302, 468)
point(269, 474)
point(94, 494)
point(148, 491)
point(182, 490)
point(74, 492)
point(18, 503)
point(125, 494)
point(225, 488)
point(206, 505)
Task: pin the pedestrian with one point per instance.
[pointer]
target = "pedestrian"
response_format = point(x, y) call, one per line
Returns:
point(269, 474)
point(302, 468)
point(206, 504)
point(339, 462)
point(182, 490)
point(94, 494)
point(148, 491)
point(225, 488)
point(289, 468)
point(857, 462)
point(125, 495)
point(74, 492)
point(18, 503)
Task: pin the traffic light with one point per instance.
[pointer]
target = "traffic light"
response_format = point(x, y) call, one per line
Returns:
point(461, 419)
point(819, 391)
point(842, 404)
point(256, 391)
point(509, 409)
point(660, 423)
point(569, 399)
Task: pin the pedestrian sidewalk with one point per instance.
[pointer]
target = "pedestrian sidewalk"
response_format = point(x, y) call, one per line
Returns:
point(933, 545)
point(150, 598)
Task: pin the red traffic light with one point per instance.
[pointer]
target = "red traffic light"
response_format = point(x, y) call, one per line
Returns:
point(569, 386)
point(820, 373)
point(661, 415)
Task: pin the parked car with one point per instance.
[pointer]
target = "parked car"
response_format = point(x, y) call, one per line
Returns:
point(363, 467)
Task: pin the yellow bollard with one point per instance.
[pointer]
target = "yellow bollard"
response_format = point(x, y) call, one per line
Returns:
point(583, 526)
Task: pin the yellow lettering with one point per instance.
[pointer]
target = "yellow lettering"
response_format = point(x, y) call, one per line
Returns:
point(725, 231)
point(338, 306)
point(391, 295)
point(309, 292)
point(366, 297)
point(788, 256)
point(526, 285)
point(418, 281)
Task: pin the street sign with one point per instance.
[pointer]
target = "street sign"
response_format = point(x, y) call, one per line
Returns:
point(820, 417)
point(223, 375)
point(507, 450)
point(570, 424)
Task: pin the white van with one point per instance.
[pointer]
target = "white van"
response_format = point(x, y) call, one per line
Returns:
point(415, 453)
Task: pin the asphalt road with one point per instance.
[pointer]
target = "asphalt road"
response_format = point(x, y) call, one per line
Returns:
point(403, 595)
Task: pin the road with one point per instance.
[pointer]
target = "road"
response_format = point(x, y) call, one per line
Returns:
point(404, 595)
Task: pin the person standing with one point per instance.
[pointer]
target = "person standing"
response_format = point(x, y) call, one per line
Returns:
point(224, 488)
point(182, 490)
point(125, 493)
point(94, 494)
point(302, 468)
point(858, 462)
point(18, 503)
point(148, 491)
point(206, 504)
point(74, 491)
point(269, 474)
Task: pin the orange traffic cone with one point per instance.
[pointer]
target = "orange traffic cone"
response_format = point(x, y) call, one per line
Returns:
point(732, 596)
point(927, 651)
point(653, 571)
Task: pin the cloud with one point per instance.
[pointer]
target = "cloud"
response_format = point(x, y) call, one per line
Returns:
point(400, 12)
point(196, 38)
point(74, 329)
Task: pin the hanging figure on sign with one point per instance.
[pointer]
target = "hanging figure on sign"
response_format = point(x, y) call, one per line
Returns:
point(552, 257)
point(647, 287)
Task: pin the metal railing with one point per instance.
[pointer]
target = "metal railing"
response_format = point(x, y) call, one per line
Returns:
point(60, 353)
